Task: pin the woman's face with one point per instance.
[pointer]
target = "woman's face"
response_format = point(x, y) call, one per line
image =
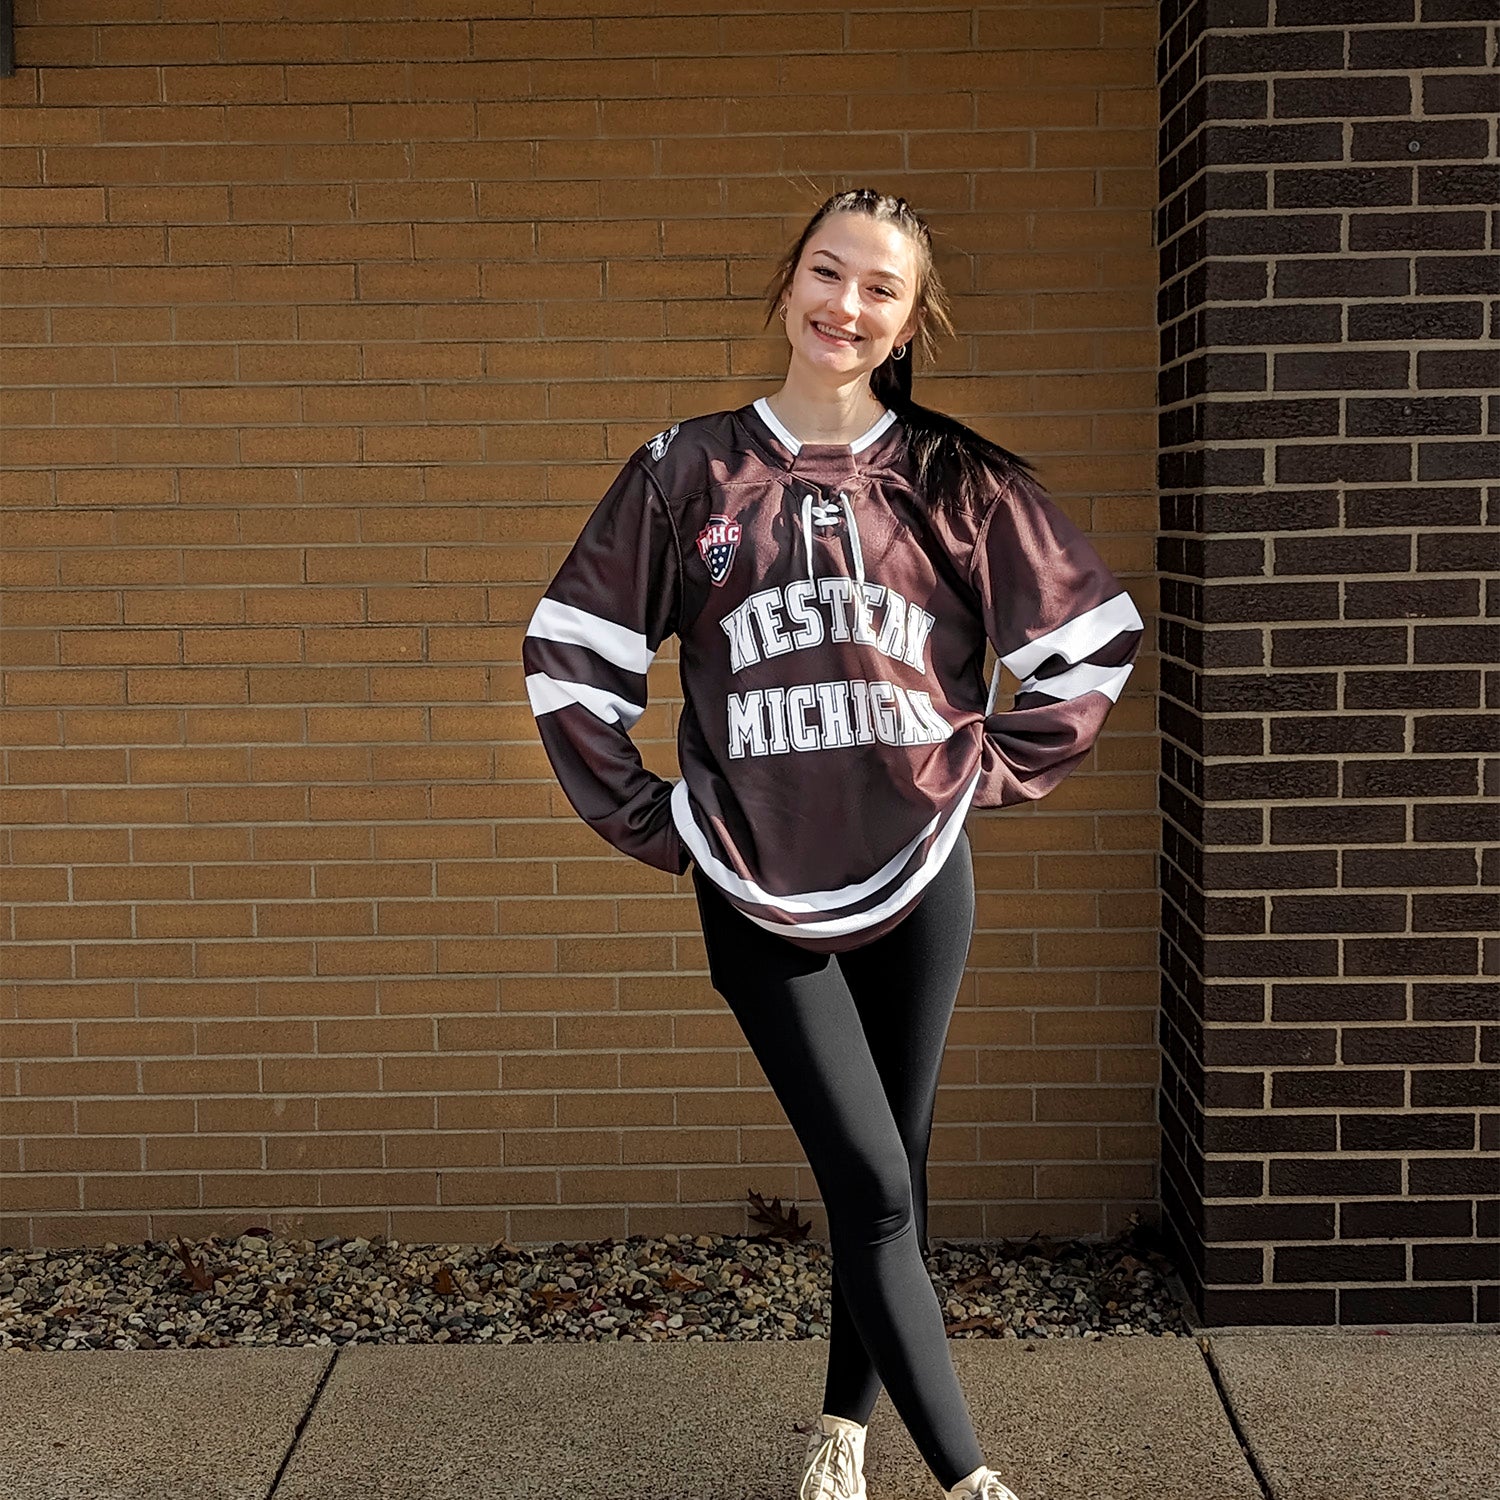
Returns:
point(852, 297)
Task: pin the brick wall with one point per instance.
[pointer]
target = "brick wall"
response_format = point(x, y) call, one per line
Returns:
point(1329, 458)
point(320, 342)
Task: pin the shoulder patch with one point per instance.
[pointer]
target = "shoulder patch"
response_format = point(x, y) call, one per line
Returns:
point(717, 544)
point(658, 445)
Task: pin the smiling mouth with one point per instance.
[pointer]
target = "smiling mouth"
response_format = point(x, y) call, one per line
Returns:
point(837, 334)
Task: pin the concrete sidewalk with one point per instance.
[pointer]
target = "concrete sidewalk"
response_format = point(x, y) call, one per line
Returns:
point(1322, 1416)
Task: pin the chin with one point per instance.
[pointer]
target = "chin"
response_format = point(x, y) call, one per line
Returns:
point(841, 361)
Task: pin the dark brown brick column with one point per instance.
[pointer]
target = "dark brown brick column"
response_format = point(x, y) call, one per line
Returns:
point(1328, 647)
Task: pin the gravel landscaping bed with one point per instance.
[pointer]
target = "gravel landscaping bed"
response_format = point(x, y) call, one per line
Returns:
point(259, 1290)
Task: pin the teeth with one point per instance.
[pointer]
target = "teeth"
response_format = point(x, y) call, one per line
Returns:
point(835, 333)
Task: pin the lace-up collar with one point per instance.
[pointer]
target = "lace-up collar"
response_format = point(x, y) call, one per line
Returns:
point(831, 475)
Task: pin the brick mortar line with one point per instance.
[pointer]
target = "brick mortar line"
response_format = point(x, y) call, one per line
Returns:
point(1167, 165)
point(1380, 1284)
point(1378, 346)
point(1251, 893)
point(1338, 164)
point(1276, 1025)
point(1260, 170)
point(1283, 1200)
point(1321, 979)
point(1244, 939)
point(1472, 1112)
point(1299, 393)
point(1308, 802)
point(1231, 444)
point(1332, 26)
point(1277, 1113)
point(1308, 758)
point(1263, 257)
point(1329, 623)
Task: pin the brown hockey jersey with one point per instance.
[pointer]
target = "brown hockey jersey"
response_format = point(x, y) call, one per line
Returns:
point(836, 726)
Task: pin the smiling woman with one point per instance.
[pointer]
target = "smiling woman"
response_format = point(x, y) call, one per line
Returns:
point(846, 310)
point(847, 293)
point(834, 559)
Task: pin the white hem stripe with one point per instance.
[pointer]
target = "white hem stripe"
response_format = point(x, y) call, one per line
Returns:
point(748, 890)
point(834, 926)
point(937, 857)
point(805, 901)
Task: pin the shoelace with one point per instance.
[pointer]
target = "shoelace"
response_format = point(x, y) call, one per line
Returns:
point(824, 513)
point(833, 1471)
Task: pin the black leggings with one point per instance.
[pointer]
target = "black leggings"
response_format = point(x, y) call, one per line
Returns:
point(851, 1044)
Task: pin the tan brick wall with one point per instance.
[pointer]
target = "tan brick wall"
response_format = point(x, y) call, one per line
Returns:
point(320, 342)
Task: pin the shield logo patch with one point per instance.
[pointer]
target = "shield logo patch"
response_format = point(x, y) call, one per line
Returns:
point(717, 544)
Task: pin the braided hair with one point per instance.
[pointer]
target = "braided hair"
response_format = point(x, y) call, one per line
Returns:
point(956, 466)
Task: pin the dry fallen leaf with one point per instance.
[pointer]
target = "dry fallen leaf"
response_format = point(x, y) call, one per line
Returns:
point(784, 1222)
point(196, 1272)
point(965, 1324)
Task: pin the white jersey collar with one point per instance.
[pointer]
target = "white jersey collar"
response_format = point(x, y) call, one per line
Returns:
point(794, 445)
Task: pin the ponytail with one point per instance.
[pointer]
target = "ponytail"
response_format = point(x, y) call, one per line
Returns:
point(957, 468)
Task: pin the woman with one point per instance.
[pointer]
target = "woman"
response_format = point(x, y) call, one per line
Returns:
point(833, 558)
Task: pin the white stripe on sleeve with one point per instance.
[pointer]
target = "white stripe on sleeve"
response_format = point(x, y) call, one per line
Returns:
point(1076, 681)
point(626, 649)
point(1078, 637)
point(548, 694)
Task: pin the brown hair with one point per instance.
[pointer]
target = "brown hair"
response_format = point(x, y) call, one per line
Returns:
point(956, 466)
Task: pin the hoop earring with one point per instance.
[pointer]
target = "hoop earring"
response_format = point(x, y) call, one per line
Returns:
point(899, 354)
point(783, 312)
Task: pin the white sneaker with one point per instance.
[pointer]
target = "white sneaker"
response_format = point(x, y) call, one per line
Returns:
point(985, 1485)
point(834, 1467)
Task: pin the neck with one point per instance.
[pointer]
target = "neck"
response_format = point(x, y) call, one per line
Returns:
point(819, 413)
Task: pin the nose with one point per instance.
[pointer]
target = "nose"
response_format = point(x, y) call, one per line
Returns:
point(846, 300)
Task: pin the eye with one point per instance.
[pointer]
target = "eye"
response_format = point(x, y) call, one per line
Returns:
point(885, 291)
point(825, 271)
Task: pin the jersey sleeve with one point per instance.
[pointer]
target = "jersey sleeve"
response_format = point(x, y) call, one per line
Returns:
point(1064, 625)
point(591, 639)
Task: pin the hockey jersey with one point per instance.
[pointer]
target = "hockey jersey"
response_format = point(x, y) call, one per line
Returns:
point(836, 726)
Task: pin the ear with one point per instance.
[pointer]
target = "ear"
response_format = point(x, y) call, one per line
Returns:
point(909, 332)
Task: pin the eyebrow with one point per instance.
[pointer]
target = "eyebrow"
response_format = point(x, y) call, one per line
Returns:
point(884, 275)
